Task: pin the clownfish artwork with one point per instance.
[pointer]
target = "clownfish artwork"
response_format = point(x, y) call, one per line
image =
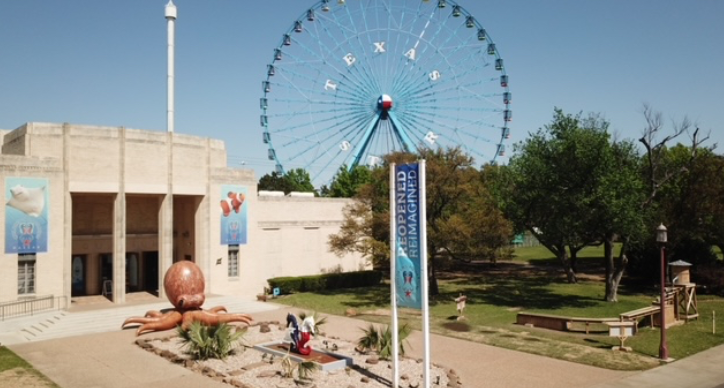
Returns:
point(405, 279)
point(30, 201)
point(233, 201)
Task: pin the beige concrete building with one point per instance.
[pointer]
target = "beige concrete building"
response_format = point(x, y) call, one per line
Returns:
point(106, 210)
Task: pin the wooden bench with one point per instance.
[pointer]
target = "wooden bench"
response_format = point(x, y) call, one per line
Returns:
point(634, 315)
point(557, 322)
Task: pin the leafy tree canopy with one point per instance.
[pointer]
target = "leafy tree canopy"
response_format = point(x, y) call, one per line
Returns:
point(293, 180)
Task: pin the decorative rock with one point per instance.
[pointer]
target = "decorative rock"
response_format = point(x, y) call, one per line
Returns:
point(190, 364)
point(264, 328)
point(167, 354)
point(267, 374)
point(350, 312)
point(365, 380)
point(255, 365)
point(237, 372)
point(238, 384)
point(373, 360)
point(414, 384)
point(404, 377)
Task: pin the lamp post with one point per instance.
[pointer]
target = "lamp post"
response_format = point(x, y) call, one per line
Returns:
point(661, 240)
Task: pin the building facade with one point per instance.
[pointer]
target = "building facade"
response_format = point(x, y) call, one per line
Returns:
point(106, 210)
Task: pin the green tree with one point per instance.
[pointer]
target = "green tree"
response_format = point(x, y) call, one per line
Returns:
point(347, 183)
point(293, 180)
point(552, 180)
point(462, 221)
point(615, 209)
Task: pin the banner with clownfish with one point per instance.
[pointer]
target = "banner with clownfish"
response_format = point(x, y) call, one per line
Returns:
point(26, 215)
point(233, 215)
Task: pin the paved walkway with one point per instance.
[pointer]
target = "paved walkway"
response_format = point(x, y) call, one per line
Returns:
point(109, 358)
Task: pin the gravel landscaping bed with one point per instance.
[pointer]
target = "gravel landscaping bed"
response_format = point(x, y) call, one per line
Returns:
point(250, 368)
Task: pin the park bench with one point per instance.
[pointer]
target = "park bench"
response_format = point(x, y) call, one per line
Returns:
point(557, 322)
point(643, 312)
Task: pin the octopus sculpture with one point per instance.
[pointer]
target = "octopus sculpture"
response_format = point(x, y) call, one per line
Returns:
point(184, 286)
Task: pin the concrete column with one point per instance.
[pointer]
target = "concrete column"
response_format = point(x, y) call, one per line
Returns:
point(165, 221)
point(202, 221)
point(119, 225)
point(67, 217)
point(119, 248)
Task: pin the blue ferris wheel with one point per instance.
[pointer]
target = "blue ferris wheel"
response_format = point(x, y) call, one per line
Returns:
point(352, 81)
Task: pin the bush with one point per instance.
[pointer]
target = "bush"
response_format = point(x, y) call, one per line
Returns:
point(204, 342)
point(381, 341)
point(710, 278)
point(645, 258)
point(330, 281)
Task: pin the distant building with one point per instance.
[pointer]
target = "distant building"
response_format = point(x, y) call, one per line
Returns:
point(106, 210)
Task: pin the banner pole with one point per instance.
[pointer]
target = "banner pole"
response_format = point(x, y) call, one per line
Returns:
point(393, 287)
point(424, 277)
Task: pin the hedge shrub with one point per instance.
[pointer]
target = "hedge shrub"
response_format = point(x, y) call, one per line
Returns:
point(330, 281)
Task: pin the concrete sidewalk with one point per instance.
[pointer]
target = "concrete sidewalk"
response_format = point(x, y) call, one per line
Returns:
point(113, 360)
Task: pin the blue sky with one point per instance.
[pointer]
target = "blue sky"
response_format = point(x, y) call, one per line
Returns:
point(104, 63)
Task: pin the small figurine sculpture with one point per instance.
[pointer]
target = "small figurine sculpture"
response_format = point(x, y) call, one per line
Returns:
point(460, 300)
point(299, 338)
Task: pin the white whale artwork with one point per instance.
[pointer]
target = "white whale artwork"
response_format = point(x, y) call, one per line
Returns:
point(30, 201)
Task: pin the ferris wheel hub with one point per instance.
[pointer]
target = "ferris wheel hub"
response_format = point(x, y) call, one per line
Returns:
point(384, 103)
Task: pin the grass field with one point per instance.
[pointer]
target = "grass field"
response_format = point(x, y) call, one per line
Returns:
point(16, 372)
point(532, 282)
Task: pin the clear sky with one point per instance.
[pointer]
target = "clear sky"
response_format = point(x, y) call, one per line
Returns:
point(104, 63)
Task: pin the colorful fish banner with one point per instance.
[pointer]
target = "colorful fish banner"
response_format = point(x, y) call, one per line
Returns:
point(409, 245)
point(26, 215)
point(233, 215)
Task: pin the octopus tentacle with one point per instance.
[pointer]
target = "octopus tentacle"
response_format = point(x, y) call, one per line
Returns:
point(165, 322)
point(140, 320)
point(154, 313)
point(217, 309)
point(212, 319)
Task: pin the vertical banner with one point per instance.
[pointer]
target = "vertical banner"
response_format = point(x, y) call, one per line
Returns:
point(26, 215)
point(408, 255)
point(407, 234)
point(233, 215)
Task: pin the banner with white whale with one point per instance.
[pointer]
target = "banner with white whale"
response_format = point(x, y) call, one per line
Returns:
point(26, 215)
point(408, 255)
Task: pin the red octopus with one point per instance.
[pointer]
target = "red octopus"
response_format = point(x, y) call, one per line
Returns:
point(184, 285)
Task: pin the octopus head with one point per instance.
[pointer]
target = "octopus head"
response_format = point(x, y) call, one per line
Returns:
point(184, 285)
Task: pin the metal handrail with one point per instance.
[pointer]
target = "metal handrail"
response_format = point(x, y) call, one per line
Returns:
point(32, 305)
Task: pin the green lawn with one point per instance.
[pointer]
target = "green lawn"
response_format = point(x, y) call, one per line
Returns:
point(21, 369)
point(497, 293)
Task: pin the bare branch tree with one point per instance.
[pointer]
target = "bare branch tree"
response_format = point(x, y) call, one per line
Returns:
point(658, 172)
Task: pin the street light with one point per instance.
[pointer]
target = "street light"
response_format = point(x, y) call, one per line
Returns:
point(661, 240)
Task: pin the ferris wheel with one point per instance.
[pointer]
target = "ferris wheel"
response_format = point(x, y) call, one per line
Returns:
point(352, 81)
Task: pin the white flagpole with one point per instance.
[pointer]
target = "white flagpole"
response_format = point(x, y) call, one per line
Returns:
point(424, 277)
point(393, 286)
